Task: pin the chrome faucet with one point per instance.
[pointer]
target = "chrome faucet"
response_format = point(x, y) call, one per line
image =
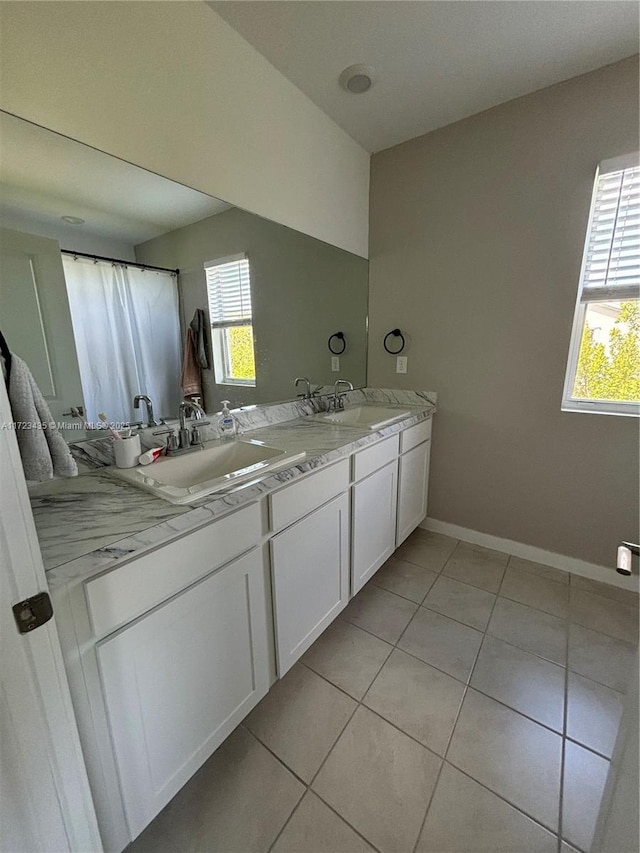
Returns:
point(304, 379)
point(197, 412)
point(151, 421)
point(337, 399)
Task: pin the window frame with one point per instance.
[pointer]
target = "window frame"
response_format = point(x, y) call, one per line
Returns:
point(570, 403)
point(219, 331)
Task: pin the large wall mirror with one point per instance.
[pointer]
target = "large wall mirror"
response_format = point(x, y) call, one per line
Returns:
point(104, 267)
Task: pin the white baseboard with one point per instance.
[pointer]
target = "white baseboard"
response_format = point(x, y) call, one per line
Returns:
point(536, 555)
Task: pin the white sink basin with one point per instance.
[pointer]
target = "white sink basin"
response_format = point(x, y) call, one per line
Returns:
point(185, 478)
point(370, 417)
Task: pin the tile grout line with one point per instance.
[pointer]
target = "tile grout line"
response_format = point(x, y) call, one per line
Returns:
point(563, 753)
point(466, 685)
point(457, 716)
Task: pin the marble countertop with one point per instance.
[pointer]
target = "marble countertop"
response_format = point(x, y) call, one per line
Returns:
point(94, 521)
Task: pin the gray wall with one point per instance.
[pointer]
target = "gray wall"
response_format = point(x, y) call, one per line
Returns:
point(302, 291)
point(477, 232)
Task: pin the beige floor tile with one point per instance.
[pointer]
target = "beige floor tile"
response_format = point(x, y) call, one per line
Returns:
point(380, 781)
point(601, 658)
point(443, 643)
point(534, 591)
point(585, 775)
point(429, 550)
point(603, 614)
point(420, 700)
point(478, 566)
point(461, 601)
point(593, 714)
point(521, 680)
point(404, 578)
point(606, 590)
point(532, 630)
point(300, 719)
point(382, 613)
point(513, 756)
point(539, 569)
point(315, 828)
point(216, 809)
point(348, 657)
point(464, 817)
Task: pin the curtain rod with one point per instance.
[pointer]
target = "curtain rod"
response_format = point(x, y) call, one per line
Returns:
point(118, 261)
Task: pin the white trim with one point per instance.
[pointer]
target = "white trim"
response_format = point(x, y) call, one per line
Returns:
point(617, 164)
point(604, 574)
point(34, 681)
point(227, 259)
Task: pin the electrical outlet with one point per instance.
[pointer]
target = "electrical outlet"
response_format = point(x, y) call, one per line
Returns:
point(335, 364)
point(401, 364)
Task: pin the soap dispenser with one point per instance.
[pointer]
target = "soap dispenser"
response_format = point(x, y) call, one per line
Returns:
point(227, 422)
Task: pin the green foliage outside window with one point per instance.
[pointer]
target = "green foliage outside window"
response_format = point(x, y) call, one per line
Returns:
point(240, 352)
point(613, 372)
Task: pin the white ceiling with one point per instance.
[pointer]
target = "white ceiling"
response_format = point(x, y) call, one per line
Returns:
point(437, 61)
point(44, 176)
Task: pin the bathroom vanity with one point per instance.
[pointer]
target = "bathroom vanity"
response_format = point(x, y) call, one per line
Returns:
point(171, 636)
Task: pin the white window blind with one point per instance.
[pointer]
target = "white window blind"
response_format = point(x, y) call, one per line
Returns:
point(229, 291)
point(611, 268)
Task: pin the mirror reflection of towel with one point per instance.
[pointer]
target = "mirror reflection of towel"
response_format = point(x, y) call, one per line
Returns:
point(190, 379)
point(44, 451)
point(199, 327)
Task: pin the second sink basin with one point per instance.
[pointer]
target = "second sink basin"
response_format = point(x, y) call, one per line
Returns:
point(370, 417)
point(185, 478)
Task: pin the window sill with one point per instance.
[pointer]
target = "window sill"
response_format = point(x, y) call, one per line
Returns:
point(629, 410)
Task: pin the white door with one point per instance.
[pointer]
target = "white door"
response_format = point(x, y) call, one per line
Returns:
point(373, 524)
point(310, 578)
point(45, 802)
point(179, 680)
point(36, 321)
point(413, 484)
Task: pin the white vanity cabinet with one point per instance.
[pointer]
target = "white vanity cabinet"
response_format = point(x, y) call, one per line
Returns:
point(309, 560)
point(413, 478)
point(179, 680)
point(373, 511)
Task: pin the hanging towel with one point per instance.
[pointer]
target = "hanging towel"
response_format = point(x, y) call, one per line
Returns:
point(199, 328)
point(190, 379)
point(44, 451)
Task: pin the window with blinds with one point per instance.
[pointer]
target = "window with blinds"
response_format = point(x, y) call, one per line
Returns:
point(603, 372)
point(230, 314)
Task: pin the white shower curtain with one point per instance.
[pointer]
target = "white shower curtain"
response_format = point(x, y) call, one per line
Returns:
point(127, 334)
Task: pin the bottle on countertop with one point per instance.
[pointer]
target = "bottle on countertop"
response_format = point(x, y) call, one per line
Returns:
point(227, 423)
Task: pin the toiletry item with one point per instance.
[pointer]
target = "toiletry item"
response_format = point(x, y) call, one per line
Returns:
point(227, 423)
point(150, 455)
point(114, 432)
point(127, 451)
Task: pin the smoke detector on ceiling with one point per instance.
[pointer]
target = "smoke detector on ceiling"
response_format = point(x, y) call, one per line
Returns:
point(357, 79)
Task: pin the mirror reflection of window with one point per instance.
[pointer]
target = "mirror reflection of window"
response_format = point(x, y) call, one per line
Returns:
point(127, 336)
point(231, 316)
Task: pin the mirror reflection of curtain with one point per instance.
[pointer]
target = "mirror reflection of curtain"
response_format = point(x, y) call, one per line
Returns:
point(127, 333)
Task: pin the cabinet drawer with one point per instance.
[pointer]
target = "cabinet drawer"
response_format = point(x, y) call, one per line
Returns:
point(130, 590)
point(367, 461)
point(299, 499)
point(415, 435)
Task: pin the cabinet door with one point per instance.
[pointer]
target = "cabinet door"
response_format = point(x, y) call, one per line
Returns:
point(413, 480)
point(310, 576)
point(179, 680)
point(373, 537)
